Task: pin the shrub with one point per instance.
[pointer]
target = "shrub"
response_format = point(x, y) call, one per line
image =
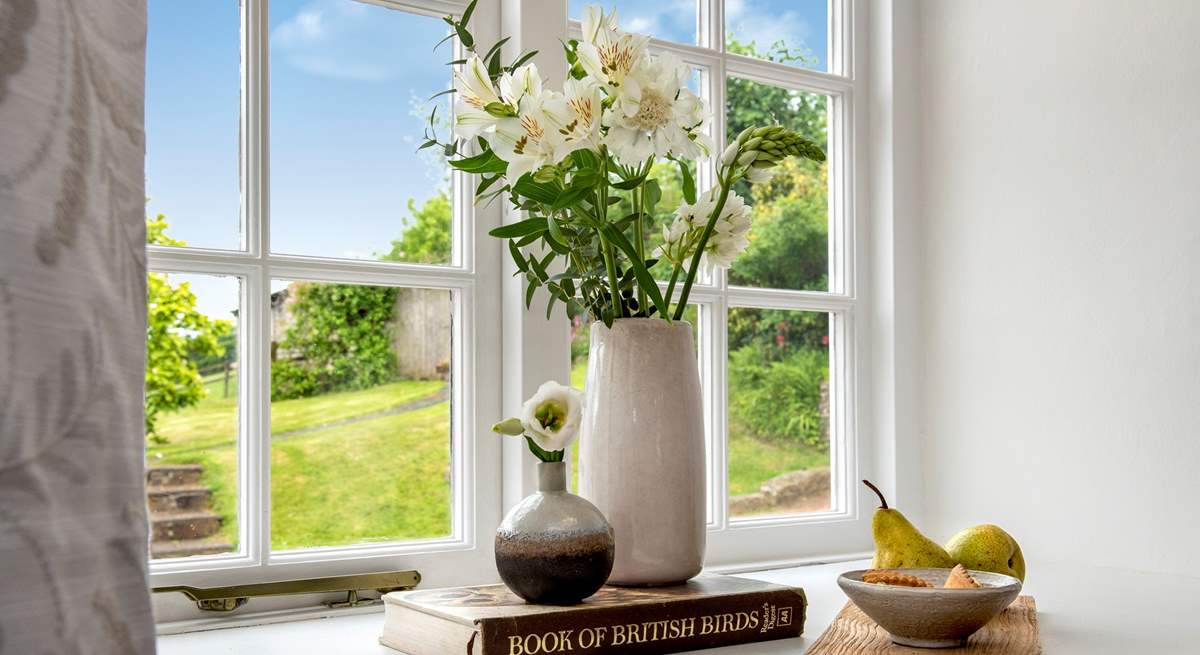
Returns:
point(778, 401)
point(340, 339)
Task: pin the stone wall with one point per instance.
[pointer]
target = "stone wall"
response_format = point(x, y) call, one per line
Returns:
point(789, 493)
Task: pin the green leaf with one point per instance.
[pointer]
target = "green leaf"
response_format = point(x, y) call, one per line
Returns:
point(499, 110)
point(570, 196)
point(529, 238)
point(466, 17)
point(496, 47)
point(689, 182)
point(520, 228)
point(653, 193)
point(536, 191)
point(645, 279)
point(513, 250)
point(522, 59)
point(464, 37)
point(529, 291)
point(441, 93)
point(484, 162)
point(550, 306)
point(630, 183)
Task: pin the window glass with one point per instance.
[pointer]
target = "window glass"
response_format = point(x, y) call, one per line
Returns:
point(673, 20)
point(191, 414)
point(193, 87)
point(793, 32)
point(778, 379)
point(360, 414)
point(350, 89)
point(789, 241)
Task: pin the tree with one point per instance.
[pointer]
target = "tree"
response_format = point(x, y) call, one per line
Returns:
point(426, 237)
point(176, 335)
point(789, 240)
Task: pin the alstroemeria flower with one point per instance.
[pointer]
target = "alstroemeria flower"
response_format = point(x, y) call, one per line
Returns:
point(654, 113)
point(606, 53)
point(548, 127)
point(552, 416)
point(473, 93)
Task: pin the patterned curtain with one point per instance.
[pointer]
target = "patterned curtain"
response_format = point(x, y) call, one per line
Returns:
point(73, 535)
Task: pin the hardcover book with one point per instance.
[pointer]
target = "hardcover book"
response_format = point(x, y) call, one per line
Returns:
point(708, 611)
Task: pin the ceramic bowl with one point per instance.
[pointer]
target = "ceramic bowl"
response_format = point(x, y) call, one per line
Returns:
point(931, 618)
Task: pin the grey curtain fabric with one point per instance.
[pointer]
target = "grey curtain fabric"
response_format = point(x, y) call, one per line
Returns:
point(72, 328)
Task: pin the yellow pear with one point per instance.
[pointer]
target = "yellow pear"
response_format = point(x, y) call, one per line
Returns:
point(988, 548)
point(899, 545)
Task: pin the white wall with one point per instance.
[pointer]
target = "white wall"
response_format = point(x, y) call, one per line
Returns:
point(1059, 257)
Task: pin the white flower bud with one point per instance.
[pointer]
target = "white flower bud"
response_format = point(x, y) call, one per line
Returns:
point(729, 154)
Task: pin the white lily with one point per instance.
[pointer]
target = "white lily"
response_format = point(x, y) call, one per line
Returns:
point(606, 53)
point(473, 93)
point(552, 416)
point(654, 113)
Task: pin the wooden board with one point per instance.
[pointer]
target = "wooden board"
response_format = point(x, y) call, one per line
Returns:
point(1013, 632)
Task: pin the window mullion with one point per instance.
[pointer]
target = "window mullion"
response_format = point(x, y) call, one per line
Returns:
point(255, 428)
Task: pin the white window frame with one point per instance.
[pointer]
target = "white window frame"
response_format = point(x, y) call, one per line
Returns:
point(466, 555)
point(775, 540)
point(498, 363)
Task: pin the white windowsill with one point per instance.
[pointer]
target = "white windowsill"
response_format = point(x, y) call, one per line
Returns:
point(1080, 610)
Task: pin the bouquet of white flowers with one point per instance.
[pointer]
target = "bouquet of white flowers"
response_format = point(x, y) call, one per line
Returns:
point(565, 158)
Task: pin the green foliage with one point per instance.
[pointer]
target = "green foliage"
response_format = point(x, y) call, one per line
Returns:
point(779, 400)
point(426, 238)
point(340, 338)
point(177, 335)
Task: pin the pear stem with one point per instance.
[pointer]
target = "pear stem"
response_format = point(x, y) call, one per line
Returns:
point(882, 502)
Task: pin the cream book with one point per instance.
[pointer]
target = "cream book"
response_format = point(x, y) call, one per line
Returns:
point(708, 611)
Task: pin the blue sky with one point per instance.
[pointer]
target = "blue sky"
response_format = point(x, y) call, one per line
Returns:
point(348, 83)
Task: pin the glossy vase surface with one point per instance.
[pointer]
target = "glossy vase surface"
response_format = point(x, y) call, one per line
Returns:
point(642, 448)
point(554, 548)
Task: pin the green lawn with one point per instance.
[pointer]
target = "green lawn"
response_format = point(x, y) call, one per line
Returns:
point(382, 478)
point(205, 435)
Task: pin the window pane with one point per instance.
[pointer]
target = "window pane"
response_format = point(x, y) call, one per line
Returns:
point(778, 380)
point(193, 87)
point(360, 414)
point(789, 241)
point(191, 414)
point(669, 21)
point(349, 85)
point(794, 32)
point(581, 331)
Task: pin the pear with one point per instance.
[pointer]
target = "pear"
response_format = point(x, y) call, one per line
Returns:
point(988, 548)
point(899, 545)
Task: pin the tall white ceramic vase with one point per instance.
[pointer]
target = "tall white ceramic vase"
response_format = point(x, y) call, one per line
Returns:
point(642, 457)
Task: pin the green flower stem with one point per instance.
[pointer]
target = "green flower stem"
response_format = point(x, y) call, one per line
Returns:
point(610, 262)
point(708, 230)
point(675, 270)
point(639, 196)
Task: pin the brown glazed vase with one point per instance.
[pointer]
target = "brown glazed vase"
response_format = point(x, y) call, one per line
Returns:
point(554, 548)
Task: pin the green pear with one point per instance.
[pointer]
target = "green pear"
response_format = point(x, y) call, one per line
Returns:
point(988, 548)
point(899, 545)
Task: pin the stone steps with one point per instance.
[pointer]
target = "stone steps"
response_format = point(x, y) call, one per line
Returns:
point(181, 521)
point(189, 547)
point(173, 526)
point(178, 498)
point(174, 475)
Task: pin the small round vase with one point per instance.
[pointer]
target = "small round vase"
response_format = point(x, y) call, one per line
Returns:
point(554, 548)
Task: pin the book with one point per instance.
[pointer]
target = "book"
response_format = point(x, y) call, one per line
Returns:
point(706, 612)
